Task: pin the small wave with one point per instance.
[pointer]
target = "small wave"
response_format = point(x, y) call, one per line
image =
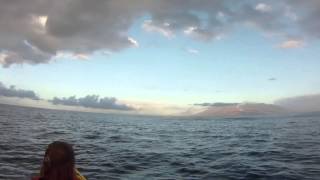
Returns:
point(122, 147)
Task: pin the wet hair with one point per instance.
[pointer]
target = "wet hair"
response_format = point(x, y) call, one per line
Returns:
point(58, 162)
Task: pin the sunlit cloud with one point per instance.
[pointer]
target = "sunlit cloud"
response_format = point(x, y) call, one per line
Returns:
point(3, 57)
point(263, 7)
point(240, 109)
point(163, 29)
point(41, 20)
point(133, 42)
point(291, 44)
point(189, 30)
point(81, 56)
point(74, 56)
point(82, 26)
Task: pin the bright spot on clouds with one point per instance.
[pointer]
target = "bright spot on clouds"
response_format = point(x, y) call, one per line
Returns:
point(42, 20)
point(189, 30)
point(87, 27)
point(81, 56)
point(263, 7)
point(2, 57)
point(164, 29)
point(290, 44)
point(133, 42)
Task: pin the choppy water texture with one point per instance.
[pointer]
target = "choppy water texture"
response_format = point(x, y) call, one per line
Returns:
point(137, 147)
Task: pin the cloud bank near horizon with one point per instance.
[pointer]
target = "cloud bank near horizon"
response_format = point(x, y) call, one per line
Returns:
point(36, 31)
point(89, 101)
point(242, 109)
point(92, 101)
point(12, 91)
point(298, 104)
point(306, 103)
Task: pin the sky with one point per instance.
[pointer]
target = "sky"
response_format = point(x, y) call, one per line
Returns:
point(158, 56)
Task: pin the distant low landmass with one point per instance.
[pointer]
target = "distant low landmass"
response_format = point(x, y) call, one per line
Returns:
point(243, 109)
point(218, 110)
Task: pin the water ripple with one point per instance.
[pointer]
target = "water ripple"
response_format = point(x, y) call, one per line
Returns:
point(141, 147)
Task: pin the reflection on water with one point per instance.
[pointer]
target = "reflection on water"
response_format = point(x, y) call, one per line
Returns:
point(137, 147)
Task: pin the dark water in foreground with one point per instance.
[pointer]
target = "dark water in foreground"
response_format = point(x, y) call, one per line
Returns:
point(133, 147)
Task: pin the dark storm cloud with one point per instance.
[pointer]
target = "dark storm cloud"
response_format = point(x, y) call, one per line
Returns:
point(92, 101)
point(20, 93)
point(34, 31)
point(216, 104)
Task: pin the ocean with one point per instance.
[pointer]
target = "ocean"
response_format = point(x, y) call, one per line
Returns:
point(110, 146)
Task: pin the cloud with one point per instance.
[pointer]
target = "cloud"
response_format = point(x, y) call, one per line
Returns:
point(272, 79)
point(35, 31)
point(81, 56)
point(92, 101)
point(133, 42)
point(192, 51)
point(203, 34)
point(163, 29)
point(12, 95)
point(73, 56)
point(290, 44)
point(12, 91)
point(306, 103)
point(263, 7)
point(3, 57)
point(219, 104)
point(241, 109)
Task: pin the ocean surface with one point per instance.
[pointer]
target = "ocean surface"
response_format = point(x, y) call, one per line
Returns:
point(146, 147)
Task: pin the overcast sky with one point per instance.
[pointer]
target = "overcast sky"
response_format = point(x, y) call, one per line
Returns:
point(127, 54)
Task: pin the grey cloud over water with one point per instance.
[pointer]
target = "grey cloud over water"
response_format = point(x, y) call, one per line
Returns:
point(89, 101)
point(35, 31)
point(296, 104)
point(92, 101)
point(12, 91)
point(306, 103)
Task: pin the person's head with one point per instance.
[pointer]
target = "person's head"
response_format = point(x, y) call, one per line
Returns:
point(58, 162)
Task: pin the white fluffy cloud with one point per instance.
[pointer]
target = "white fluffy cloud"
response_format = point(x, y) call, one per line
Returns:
point(35, 31)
